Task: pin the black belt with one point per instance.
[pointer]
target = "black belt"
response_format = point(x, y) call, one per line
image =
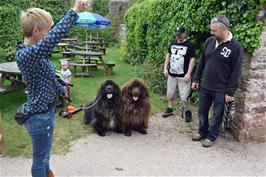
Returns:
point(49, 105)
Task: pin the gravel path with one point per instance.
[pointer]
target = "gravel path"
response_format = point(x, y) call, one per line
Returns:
point(166, 150)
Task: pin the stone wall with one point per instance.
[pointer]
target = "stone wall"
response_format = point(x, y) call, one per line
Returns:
point(122, 31)
point(117, 8)
point(250, 118)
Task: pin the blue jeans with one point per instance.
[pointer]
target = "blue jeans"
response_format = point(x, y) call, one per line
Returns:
point(41, 127)
point(207, 98)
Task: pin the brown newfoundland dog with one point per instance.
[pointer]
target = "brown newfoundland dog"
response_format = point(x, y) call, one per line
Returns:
point(135, 106)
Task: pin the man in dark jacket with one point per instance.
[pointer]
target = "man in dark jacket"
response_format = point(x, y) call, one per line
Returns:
point(218, 74)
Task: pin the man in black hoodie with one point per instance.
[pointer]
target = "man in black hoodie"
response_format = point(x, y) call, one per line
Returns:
point(218, 74)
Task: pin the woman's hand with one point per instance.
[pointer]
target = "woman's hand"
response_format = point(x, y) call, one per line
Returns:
point(80, 5)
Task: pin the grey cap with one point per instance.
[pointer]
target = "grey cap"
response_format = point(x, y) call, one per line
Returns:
point(222, 19)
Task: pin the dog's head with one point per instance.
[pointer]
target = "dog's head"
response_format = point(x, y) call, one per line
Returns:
point(109, 90)
point(135, 90)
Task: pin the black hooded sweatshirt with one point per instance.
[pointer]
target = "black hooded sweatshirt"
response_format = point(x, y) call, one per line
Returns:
point(219, 69)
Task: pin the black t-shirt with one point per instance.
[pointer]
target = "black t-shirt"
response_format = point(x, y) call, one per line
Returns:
point(180, 55)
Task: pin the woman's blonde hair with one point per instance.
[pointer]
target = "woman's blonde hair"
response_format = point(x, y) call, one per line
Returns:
point(34, 17)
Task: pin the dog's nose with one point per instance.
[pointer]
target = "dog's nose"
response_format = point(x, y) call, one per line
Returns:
point(136, 91)
point(109, 88)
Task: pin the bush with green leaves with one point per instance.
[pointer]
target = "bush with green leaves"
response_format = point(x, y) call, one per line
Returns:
point(123, 50)
point(100, 7)
point(150, 28)
point(2, 55)
point(10, 32)
point(10, 29)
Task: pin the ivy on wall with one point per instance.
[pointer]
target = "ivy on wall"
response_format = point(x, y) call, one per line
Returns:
point(150, 27)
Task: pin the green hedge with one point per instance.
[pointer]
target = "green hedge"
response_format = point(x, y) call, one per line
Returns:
point(57, 8)
point(150, 28)
point(100, 6)
point(137, 32)
point(10, 31)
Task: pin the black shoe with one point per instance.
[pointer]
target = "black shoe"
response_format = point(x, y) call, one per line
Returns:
point(188, 116)
point(168, 112)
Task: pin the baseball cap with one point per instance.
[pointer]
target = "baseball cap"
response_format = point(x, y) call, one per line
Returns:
point(222, 19)
point(180, 30)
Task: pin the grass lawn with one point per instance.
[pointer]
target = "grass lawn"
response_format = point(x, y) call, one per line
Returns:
point(66, 130)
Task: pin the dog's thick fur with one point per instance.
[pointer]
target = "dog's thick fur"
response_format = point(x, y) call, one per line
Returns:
point(135, 107)
point(104, 111)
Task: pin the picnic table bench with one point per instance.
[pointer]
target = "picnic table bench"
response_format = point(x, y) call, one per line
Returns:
point(102, 41)
point(90, 54)
point(86, 68)
point(93, 47)
point(63, 46)
point(77, 47)
point(94, 44)
point(69, 39)
point(102, 49)
point(91, 60)
point(9, 72)
point(66, 54)
point(110, 65)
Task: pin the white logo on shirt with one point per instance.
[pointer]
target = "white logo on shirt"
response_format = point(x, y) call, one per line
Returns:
point(225, 52)
point(177, 59)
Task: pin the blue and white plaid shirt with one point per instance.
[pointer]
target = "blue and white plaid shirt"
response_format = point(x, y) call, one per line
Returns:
point(37, 71)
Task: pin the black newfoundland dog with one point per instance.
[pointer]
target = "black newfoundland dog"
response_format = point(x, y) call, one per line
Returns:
point(103, 112)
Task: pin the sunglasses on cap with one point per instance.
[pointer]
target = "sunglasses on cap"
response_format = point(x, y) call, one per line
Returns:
point(218, 20)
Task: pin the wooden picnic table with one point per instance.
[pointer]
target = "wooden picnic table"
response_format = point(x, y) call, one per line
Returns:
point(88, 54)
point(98, 39)
point(63, 46)
point(101, 40)
point(87, 58)
point(90, 42)
point(95, 45)
point(69, 40)
point(9, 72)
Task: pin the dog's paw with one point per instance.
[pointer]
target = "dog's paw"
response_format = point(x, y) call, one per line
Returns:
point(128, 134)
point(117, 130)
point(142, 131)
point(101, 134)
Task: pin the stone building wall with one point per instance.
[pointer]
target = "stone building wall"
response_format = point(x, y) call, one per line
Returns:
point(117, 8)
point(250, 118)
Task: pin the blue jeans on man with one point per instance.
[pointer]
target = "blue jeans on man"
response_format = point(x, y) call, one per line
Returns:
point(41, 127)
point(206, 99)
